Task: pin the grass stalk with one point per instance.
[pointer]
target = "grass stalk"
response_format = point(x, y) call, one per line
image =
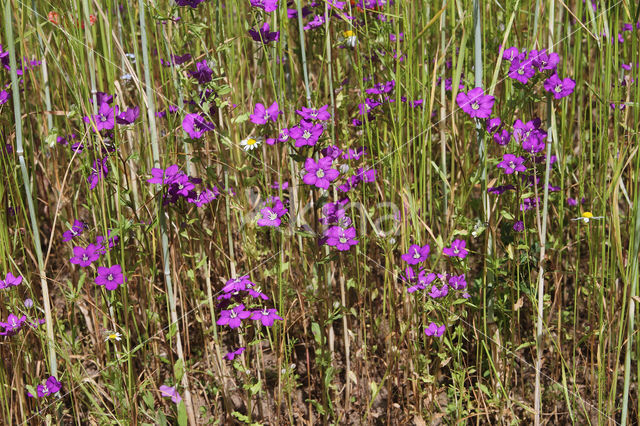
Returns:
point(150, 103)
point(35, 229)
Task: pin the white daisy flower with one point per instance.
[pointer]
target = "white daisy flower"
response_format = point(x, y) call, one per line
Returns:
point(112, 336)
point(587, 216)
point(350, 38)
point(250, 143)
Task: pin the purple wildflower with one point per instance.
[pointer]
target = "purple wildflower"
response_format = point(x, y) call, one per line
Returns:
point(340, 238)
point(434, 330)
point(502, 137)
point(51, 386)
point(521, 71)
point(416, 254)
point(263, 34)
point(233, 317)
point(261, 114)
point(321, 114)
point(518, 226)
point(559, 88)
point(510, 163)
point(10, 281)
point(266, 5)
point(271, 215)
point(85, 256)
point(266, 316)
point(306, 133)
point(170, 392)
point(111, 277)
point(195, 125)
point(316, 22)
point(77, 229)
point(13, 325)
point(476, 103)
point(202, 73)
point(320, 173)
point(128, 116)
point(233, 354)
point(493, 124)
point(164, 176)
point(457, 249)
point(458, 282)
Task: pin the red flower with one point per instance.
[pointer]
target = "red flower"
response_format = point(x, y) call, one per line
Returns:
point(54, 17)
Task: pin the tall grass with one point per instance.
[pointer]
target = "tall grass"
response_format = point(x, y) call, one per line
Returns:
point(548, 333)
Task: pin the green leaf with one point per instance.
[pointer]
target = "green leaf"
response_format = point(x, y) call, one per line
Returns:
point(178, 370)
point(182, 414)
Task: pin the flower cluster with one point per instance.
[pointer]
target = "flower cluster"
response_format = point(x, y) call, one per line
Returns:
point(176, 184)
point(237, 290)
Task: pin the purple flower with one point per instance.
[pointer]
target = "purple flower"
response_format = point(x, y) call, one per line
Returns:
point(202, 73)
point(195, 125)
point(271, 215)
point(111, 277)
point(340, 238)
point(256, 293)
point(572, 202)
point(84, 257)
point(266, 5)
point(233, 354)
point(529, 203)
point(237, 284)
point(436, 292)
point(10, 280)
point(559, 88)
point(457, 249)
point(518, 226)
point(510, 54)
point(204, 197)
point(181, 185)
point(306, 133)
point(266, 316)
point(13, 325)
point(99, 170)
point(476, 103)
point(493, 124)
point(521, 70)
point(502, 137)
point(319, 174)
point(310, 114)
point(105, 119)
point(262, 115)
point(233, 317)
point(77, 229)
point(264, 35)
point(458, 282)
point(169, 391)
point(510, 163)
point(164, 176)
point(354, 154)
point(381, 88)
point(193, 4)
point(416, 254)
point(4, 97)
point(501, 189)
point(128, 116)
point(316, 22)
point(547, 61)
point(434, 330)
point(51, 386)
